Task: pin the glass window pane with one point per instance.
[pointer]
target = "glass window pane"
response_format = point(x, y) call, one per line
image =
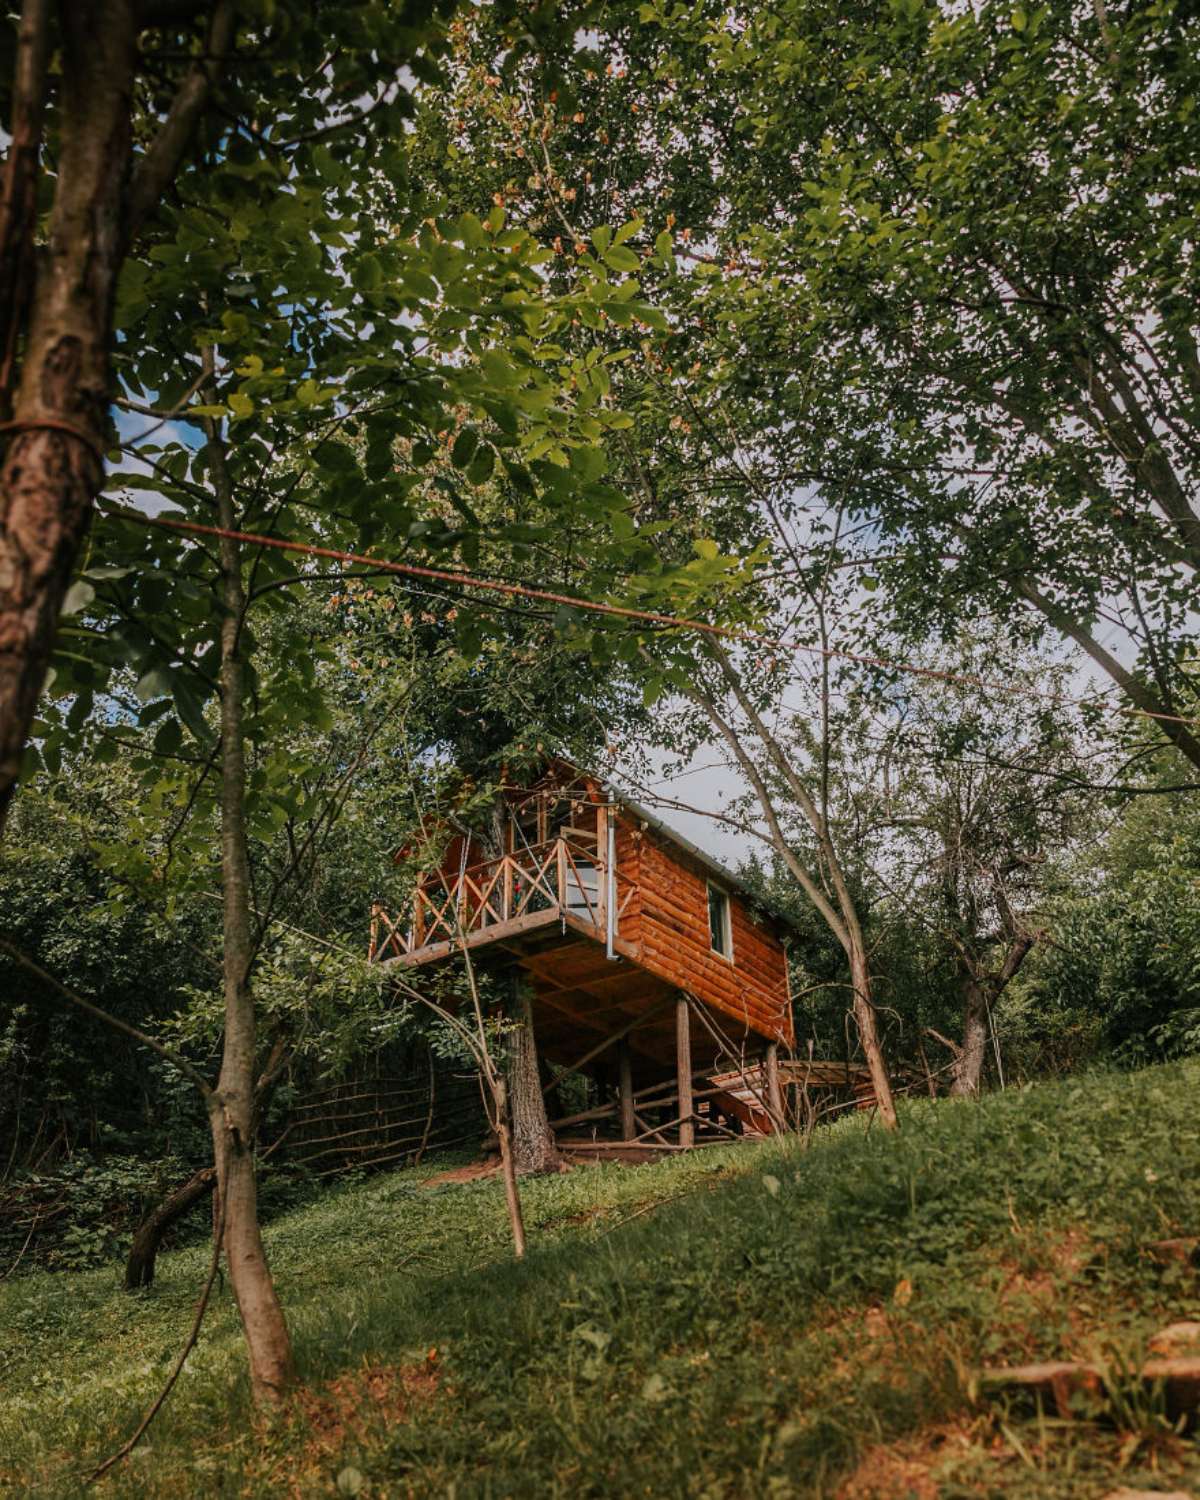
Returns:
point(718, 920)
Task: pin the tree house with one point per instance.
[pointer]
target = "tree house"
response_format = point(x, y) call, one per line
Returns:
point(648, 964)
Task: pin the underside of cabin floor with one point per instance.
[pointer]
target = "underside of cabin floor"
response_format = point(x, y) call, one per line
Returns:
point(618, 1024)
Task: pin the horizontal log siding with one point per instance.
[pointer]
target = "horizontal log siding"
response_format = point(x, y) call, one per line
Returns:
point(629, 850)
point(673, 932)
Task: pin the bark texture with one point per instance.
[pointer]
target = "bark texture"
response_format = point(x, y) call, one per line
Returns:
point(56, 304)
point(52, 469)
point(533, 1146)
point(868, 1030)
point(968, 1059)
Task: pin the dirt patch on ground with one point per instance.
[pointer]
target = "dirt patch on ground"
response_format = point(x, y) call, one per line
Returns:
point(321, 1422)
point(472, 1172)
point(345, 1406)
point(907, 1469)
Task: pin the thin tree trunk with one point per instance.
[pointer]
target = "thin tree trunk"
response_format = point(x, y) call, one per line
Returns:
point(512, 1194)
point(842, 920)
point(62, 298)
point(868, 1032)
point(232, 1107)
point(147, 1240)
point(534, 1148)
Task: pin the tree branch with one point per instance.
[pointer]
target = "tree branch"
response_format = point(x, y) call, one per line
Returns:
point(159, 166)
point(190, 1073)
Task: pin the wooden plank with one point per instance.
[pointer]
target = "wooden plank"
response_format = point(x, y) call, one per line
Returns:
point(683, 1065)
point(498, 934)
point(774, 1092)
point(625, 1089)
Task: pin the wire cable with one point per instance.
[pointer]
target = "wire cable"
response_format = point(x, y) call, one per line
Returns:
point(736, 634)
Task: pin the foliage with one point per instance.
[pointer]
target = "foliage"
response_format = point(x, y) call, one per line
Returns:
point(1006, 1230)
point(1127, 932)
point(956, 287)
point(67, 1087)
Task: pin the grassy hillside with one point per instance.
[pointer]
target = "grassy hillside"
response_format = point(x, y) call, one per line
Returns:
point(757, 1321)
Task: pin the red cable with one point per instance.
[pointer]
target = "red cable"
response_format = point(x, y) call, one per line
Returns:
point(545, 596)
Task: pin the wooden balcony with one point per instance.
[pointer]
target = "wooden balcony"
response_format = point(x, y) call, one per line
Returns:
point(562, 880)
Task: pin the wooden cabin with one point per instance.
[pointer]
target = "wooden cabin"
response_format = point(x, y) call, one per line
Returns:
point(650, 968)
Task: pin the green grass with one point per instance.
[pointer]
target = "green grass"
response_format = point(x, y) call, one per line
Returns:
point(752, 1321)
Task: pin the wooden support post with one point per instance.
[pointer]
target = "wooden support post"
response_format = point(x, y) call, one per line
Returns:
point(774, 1092)
point(683, 1067)
point(602, 868)
point(625, 1085)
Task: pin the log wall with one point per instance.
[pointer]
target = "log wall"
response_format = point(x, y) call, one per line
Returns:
point(628, 849)
point(673, 936)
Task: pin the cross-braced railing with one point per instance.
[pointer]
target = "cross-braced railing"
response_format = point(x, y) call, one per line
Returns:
point(558, 875)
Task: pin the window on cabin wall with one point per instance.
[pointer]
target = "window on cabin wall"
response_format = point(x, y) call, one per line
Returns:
point(720, 934)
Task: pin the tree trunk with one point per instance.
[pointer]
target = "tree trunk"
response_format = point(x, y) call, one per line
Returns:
point(53, 467)
point(139, 1267)
point(864, 1016)
point(980, 993)
point(534, 1148)
point(968, 1060)
point(512, 1194)
point(625, 1089)
point(843, 920)
point(232, 1106)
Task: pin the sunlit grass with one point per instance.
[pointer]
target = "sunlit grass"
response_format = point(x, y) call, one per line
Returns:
point(779, 1318)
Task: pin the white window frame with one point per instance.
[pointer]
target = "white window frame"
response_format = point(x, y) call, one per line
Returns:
point(727, 909)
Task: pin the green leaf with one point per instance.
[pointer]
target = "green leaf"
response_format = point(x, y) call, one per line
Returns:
point(621, 258)
point(464, 447)
point(368, 274)
point(169, 737)
point(602, 238)
point(79, 596)
point(156, 683)
point(482, 465)
point(241, 405)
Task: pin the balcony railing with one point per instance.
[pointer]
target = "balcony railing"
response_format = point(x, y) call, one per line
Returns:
point(560, 875)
